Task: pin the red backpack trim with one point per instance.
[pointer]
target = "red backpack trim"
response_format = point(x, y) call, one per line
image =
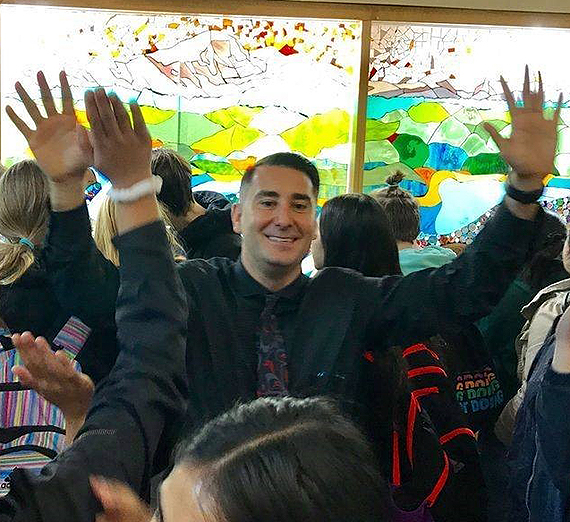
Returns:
point(444, 439)
point(440, 484)
point(425, 370)
point(419, 348)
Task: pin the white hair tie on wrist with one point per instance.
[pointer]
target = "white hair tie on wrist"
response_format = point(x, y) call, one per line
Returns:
point(135, 192)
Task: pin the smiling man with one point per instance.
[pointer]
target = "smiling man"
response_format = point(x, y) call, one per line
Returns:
point(258, 327)
point(276, 216)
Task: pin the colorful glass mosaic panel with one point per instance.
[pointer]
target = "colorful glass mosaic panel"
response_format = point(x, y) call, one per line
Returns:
point(222, 91)
point(433, 87)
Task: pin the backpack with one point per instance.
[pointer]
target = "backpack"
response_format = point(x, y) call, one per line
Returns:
point(436, 475)
point(32, 430)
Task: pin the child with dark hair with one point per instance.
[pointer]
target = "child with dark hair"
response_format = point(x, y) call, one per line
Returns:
point(404, 217)
point(357, 235)
point(203, 218)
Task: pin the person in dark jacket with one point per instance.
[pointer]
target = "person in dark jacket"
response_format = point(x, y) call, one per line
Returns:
point(122, 429)
point(148, 383)
point(202, 219)
point(501, 328)
point(346, 225)
point(539, 486)
point(258, 326)
point(26, 297)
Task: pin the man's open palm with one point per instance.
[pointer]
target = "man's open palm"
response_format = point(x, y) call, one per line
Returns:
point(531, 148)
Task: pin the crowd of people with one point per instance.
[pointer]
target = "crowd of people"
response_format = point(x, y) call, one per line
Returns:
point(171, 361)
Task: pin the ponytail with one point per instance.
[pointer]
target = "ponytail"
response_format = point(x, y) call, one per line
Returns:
point(15, 259)
point(24, 214)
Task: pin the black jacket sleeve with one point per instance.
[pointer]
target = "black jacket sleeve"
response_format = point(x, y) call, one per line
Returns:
point(85, 283)
point(131, 408)
point(553, 426)
point(432, 301)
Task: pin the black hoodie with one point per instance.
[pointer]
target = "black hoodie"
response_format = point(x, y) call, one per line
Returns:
point(211, 235)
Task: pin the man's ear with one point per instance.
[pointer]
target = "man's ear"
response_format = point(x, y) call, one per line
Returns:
point(236, 217)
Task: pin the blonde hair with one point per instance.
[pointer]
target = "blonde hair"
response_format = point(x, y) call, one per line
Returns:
point(106, 229)
point(24, 214)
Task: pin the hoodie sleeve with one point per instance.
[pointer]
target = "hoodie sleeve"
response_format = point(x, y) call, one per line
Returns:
point(145, 391)
point(432, 301)
point(85, 283)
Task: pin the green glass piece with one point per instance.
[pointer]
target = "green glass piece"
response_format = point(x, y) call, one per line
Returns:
point(216, 167)
point(392, 116)
point(469, 116)
point(377, 130)
point(412, 150)
point(486, 163)
point(562, 165)
point(564, 139)
point(498, 124)
point(425, 131)
point(226, 141)
point(451, 131)
point(379, 175)
point(381, 151)
point(474, 145)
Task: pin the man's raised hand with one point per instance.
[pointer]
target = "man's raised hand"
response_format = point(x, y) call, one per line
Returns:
point(531, 147)
point(59, 143)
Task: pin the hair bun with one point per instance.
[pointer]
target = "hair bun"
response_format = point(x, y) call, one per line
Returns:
point(395, 178)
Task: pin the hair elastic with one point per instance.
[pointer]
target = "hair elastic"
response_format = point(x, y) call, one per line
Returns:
point(25, 241)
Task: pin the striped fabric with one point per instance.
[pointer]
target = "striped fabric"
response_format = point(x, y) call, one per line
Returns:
point(23, 408)
point(72, 337)
point(27, 408)
point(51, 440)
point(27, 459)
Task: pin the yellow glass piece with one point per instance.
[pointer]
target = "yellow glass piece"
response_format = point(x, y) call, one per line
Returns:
point(82, 118)
point(229, 140)
point(432, 196)
point(428, 112)
point(154, 116)
point(243, 164)
point(227, 118)
point(319, 132)
point(140, 29)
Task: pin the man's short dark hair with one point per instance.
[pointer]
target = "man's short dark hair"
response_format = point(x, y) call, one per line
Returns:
point(176, 173)
point(284, 159)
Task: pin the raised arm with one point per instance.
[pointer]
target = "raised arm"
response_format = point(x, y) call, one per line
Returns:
point(457, 294)
point(85, 283)
point(147, 386)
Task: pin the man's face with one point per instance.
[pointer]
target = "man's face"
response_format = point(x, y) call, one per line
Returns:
point(276, 217)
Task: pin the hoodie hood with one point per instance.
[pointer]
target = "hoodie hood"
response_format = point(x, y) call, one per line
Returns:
point(211, 235)
point(211, 200)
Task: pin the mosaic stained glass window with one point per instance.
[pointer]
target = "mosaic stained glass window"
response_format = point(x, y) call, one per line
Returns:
point(430, 90)
point(222, 91)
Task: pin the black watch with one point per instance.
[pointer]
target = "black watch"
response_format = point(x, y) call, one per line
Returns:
point(524, 196)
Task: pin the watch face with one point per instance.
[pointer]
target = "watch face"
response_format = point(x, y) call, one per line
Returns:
point(92, 190)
